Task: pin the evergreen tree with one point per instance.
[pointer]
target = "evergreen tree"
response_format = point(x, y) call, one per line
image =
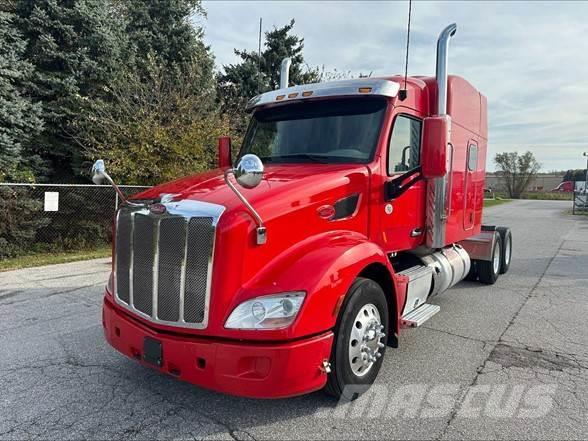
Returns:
point(76, 48)
point(19, 117)
point(162, 119)
point(163, 30)
point(255, 74)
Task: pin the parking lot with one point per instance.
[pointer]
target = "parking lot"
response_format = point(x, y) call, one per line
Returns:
point(525, 335)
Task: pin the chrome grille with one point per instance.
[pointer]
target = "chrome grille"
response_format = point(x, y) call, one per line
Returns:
point(199, 246)
point(163, 263)
point(172, 237)
point(124, 230)
point(144, 231)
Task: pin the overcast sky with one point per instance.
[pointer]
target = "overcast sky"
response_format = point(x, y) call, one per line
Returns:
point(529, 58)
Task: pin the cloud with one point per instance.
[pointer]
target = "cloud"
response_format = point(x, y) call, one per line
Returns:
point(529, 58)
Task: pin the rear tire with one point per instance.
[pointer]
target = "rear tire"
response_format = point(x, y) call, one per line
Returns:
point(506, 256)
point(360, 341)
point(488, 271)
point(472, 275)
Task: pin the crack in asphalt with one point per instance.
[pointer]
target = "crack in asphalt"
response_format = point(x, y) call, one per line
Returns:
point(481, 367)
point(133, 432)
point(51, 294)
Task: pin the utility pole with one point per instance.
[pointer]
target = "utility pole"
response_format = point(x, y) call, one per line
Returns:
point(259, 59)
point(586, 180)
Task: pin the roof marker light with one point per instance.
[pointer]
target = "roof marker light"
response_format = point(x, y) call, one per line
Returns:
point(293, 95)
point(280, 97)
point(365, 90)
point(307, 93)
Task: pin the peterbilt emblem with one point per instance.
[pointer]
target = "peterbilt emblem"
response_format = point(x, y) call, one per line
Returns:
point(157, 209)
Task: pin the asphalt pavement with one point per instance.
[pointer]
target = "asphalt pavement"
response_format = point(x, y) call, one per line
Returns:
point(507, 361)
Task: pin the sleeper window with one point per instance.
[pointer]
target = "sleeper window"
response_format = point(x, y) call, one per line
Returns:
point(473, 158)
point(405, 145)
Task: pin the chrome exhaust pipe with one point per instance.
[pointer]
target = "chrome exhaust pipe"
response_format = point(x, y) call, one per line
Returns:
point(285, 72)
point(437, 196)
point(441, 69)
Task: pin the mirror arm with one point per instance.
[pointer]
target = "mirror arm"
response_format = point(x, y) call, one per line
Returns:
point(261, 230)
point(398, 186)
point(122, 197)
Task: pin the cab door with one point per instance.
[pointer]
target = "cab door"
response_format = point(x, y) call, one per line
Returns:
point(403, 211)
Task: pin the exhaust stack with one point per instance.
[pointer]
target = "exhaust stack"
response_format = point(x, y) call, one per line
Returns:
point(437, 198)
point(285, 73)
point(441, 70)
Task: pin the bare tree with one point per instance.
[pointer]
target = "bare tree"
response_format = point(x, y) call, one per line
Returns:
point(516, 171)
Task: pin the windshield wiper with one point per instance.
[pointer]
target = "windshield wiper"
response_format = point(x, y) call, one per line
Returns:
point(321, 159)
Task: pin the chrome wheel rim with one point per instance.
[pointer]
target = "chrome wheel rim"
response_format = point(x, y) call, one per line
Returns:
point(507, 251)
point(496, 260)
point(365, 342)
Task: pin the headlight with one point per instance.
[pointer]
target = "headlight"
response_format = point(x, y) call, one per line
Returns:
point(267, 312)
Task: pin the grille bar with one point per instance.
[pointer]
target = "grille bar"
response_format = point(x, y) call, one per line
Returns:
point(163, 263)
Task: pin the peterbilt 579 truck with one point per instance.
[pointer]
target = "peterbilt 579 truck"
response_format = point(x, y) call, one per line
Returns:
point(351, 204)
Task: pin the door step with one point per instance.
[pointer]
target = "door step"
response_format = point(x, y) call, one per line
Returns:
point(420, 315)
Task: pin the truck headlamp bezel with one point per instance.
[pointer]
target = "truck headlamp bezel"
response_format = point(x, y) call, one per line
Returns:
point(268, 312)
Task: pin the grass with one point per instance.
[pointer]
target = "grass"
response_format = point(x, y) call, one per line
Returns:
point(543, 196)
point(47, 258)
point(493, 202)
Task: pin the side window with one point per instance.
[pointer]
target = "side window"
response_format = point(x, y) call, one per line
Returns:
point(405, 145)
point(473, 157)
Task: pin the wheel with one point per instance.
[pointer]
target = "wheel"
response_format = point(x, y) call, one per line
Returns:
point(506, 256)
point(488, 271)
point(359, 343)
point(472, 275)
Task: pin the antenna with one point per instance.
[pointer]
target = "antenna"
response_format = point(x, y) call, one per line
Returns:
point(402, 94)
point(259, 59)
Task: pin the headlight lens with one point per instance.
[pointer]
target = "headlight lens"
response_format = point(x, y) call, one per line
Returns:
point(268, 312)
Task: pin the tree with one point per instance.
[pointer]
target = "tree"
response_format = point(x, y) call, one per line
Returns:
point(516, 171)
point(156, 128)
point(163, 30)
point(75, 47)
point(161, 120)
point(575, 175)
point(19, 116)
point(255, 74)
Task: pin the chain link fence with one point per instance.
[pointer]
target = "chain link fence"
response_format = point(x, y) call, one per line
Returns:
point(56, 217)
point(580, 202)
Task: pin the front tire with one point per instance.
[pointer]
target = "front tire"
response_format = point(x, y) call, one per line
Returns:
point(360, 340)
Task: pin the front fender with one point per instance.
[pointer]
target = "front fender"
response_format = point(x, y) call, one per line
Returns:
point(324, 266)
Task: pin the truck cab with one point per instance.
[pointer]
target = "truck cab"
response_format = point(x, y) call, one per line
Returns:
point(293, 267)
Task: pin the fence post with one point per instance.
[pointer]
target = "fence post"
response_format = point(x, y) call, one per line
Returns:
point(116, 201)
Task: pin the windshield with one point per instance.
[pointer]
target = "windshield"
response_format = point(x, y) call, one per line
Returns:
point(329, 131)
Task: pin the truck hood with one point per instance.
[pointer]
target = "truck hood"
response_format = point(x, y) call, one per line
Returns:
point(285, 188)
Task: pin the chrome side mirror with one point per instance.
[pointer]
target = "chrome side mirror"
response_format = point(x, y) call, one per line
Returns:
point(99, 175)
point(98, 170)
point(249, 171)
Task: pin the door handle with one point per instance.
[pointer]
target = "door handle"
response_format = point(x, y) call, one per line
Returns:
point(416, 232)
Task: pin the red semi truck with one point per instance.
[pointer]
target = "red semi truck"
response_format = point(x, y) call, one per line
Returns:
point(351, 204)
